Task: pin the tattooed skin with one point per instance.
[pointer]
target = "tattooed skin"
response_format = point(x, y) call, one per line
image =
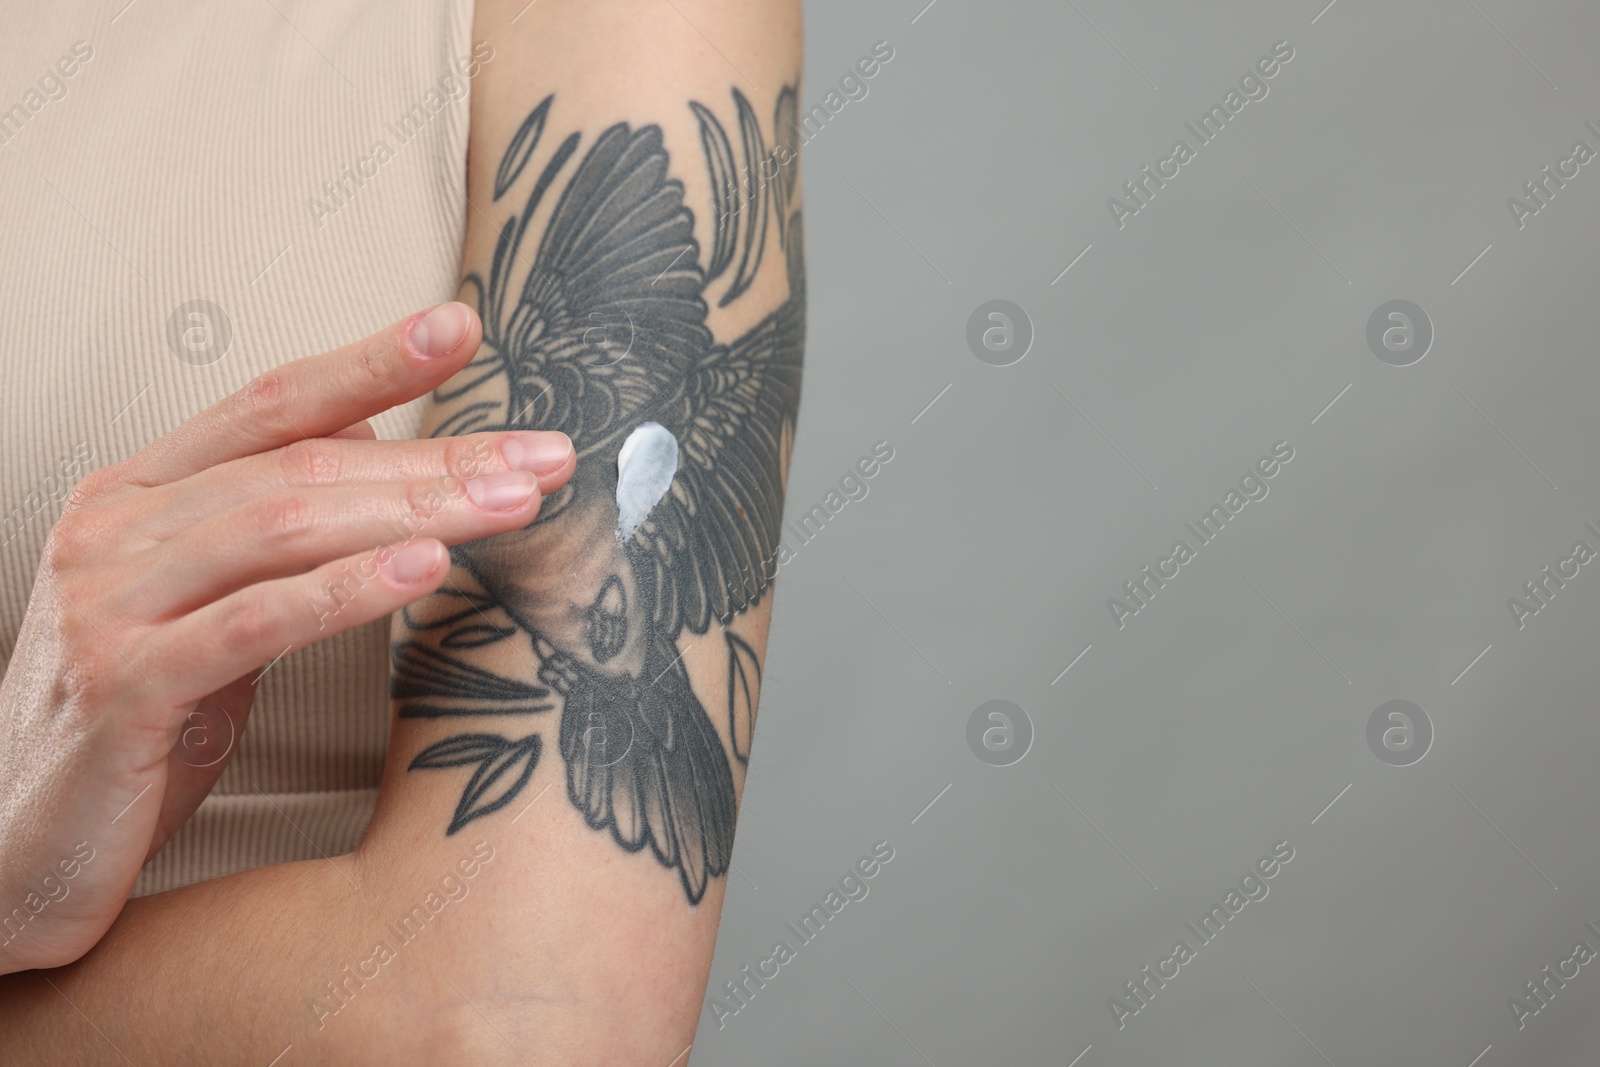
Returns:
point(601, 330)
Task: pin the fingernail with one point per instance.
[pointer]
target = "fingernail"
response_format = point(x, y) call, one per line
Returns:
point(439, 331)
point(412, 563)
point(499, 492)
point(540, 452)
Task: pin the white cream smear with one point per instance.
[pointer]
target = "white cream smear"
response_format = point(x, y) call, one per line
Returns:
point(645, 466)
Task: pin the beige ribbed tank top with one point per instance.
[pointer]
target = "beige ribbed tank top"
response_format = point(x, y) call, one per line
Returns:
point(295, 165)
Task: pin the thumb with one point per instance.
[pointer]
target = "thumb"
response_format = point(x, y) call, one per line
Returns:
point(207, 740)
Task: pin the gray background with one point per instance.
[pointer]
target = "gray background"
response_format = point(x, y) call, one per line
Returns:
point(1227, 715)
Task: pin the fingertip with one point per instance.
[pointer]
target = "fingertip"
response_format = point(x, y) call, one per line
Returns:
point(550, 481)
point(548, 454)
point(504, 491)
point(415, 564)
point(451, 329)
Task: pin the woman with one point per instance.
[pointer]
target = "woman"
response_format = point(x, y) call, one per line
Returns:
point(570, 480)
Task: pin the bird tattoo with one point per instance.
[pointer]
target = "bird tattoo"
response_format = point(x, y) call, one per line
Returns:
point(602, 331)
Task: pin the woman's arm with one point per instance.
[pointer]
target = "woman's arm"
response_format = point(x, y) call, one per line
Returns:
point(542, 879)
point(580, 695)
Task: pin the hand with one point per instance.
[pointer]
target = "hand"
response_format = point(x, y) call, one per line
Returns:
point(266, 523)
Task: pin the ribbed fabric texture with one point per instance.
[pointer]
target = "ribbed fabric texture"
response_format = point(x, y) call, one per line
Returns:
point(183, 159)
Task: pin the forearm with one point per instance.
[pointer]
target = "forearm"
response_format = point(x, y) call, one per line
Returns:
point(344, 961)
point(216, 972)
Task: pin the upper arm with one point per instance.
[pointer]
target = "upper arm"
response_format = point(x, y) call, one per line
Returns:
point(580, 696)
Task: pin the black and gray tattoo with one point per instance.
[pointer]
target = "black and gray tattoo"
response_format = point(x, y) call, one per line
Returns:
point(601, 332)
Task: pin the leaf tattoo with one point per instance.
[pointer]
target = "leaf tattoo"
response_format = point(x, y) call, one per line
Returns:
point(497, 779)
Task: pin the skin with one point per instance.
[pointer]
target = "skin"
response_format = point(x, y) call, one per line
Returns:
point(561, 948)
point(173, 577)
point(578, 555)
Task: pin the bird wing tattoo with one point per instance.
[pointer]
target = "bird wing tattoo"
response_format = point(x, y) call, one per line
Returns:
point(603, 329)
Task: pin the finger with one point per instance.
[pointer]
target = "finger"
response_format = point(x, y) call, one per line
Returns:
point(360, 431)
point(252, 628)
point(169, 509)
point(317, 396)
point(288, 533)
